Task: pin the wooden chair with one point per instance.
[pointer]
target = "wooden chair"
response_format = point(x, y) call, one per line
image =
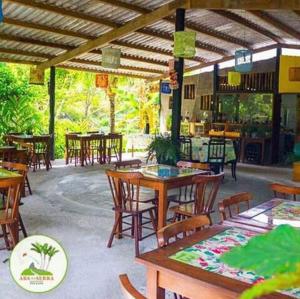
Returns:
point(184, 227)
point(285, 191)
point(232, 206)
point(22, 169)
point(125, 189)
point(186, 194)
point(9, 215)
point(114, 147)
point(185, 148)
point(41, 152)
point(206, 189)
point(233, 163)
point(134, 163)
point(128, 289)
point(96, 146)
point(72, 148)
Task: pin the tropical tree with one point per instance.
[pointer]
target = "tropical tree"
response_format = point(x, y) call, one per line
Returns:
point(38, 248)
point(51, 252)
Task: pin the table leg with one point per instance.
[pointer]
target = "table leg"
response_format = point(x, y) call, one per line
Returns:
point(153, 290)
point(162, 206)
point(82, 149)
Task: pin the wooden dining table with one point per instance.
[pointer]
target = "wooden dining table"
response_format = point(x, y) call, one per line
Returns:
point(195, 272)
point(162, 184)
point(271, 214)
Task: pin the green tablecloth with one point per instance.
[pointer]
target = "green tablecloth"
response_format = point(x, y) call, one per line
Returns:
point(200, 149)
point(6, 174)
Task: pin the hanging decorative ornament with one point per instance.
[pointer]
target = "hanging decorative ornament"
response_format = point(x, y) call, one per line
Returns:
point(173, 75)
point(101, 80)
point(36, 76)
point(234, 78)
point(243, 61)
point(111, 58)
point(184, 44)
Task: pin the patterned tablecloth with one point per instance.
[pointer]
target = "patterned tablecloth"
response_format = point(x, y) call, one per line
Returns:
point(200, 149)
point(205, 255)
point(287, 212)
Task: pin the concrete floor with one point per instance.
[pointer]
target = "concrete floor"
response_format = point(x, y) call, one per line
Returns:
point(73, 205)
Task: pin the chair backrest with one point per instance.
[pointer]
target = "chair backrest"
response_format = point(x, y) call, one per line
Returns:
point(128, 289)
point(185, 147)
point(232, 205)
point(216, 150)
point(13, 191)
point(206, 190)
point(134, 163)
point(195, 165)
point(184, 227)
point(125, 189)
point(22, 169)
point(284, 191)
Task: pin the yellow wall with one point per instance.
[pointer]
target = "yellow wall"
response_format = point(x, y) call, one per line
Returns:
point(285, 85)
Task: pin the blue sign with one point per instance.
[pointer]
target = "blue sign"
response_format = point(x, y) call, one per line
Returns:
point(165, 88)
point(243, 61)
point(1, 12)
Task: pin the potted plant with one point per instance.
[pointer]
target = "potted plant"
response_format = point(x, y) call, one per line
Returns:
point(164, 149)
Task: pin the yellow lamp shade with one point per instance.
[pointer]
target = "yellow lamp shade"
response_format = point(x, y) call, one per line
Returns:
point(36, 76)
point(184, 44)
point(234, 78)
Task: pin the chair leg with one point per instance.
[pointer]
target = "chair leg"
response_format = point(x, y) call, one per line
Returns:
point(136, 235)
point(28, 185)
point(22, 226)
point(111, 238)
point(153, 220)
point(5, 237)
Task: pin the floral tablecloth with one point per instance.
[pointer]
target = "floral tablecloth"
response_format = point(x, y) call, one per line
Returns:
point(206, 255)
point(200, 149)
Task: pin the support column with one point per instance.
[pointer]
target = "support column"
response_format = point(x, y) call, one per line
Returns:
point(177, 93)
point(276, 116)
point(215, 88)
point(52, 111)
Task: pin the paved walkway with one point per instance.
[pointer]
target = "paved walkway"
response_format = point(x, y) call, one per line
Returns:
point(73, 205)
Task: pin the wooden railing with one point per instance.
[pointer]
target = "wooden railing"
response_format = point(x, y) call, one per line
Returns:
point(252, 83)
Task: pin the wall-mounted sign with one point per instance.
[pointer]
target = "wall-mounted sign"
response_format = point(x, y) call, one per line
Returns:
point(165, 88)
point(101, 80)
point(36, 76)
point(289, 74)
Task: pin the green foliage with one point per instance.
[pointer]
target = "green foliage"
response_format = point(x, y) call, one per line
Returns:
point(165, 150)
point(275, 254)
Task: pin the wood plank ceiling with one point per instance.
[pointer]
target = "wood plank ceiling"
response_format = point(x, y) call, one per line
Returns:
point(71, 33)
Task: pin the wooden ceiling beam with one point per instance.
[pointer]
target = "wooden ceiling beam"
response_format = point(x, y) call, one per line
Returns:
point(246, 23)
point(81, 61)
point(188, 24)
point(129, 27)
point(246, 4)
point(276, 23)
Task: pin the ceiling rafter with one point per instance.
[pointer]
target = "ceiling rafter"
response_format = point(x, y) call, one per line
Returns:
point(81, 61)
point(246, 23)
point(276, 23)
point(188, 24)
point(152, 33)
point(55, 30)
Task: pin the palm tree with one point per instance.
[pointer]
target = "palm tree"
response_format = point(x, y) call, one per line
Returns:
point(37, 247)
point(51, 252)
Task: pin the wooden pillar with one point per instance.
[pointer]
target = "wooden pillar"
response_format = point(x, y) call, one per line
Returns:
point(52, 111)
point(276, 115)
point(215, 88)
point(177, 93)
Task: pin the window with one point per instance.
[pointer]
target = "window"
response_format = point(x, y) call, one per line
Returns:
point(189, 91)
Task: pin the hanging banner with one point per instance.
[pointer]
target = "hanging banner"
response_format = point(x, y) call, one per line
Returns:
point(111, 58)
point(243, 61)
point(289, 74)
point(101, 80)
point(36, 76)
point(1, 12)
point(234, 78)
point(184, 44)
point(165, 88)
point(173, 74)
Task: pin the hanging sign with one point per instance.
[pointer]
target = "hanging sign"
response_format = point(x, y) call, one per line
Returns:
point(234, 78)
point(101, 80)
point(36, 76)
point(165, 88)
point(243, 61)
point(1, 12)
point(111, 58)
point(184, 44)
point(289, 74)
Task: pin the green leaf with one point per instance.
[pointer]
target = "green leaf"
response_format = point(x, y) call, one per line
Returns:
point(275, 252)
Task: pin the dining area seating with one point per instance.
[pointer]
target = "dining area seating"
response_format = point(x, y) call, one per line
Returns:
point(87, 148)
